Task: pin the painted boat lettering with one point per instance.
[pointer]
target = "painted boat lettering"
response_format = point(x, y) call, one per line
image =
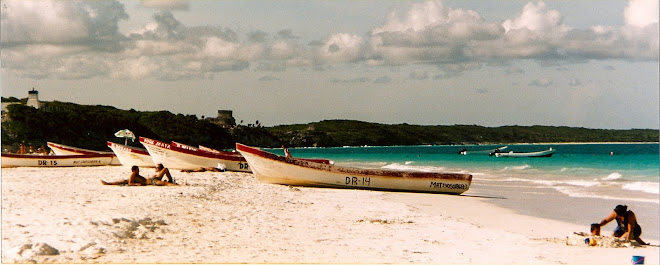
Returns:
point(157, 143)
point(47, 163)
point(454, 186)
point(86, 161)
point(178, 145)
point(355, 181)
point(243, 165)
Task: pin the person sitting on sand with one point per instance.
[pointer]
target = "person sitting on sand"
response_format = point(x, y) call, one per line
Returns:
point(136, 180)
point(627, 226)
point(162, 172)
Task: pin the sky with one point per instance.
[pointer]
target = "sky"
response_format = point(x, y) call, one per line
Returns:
point(591, 63)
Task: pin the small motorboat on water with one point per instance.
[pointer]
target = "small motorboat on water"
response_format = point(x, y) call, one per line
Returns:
point(544, 153)
point(276, 169)
point(464, 151)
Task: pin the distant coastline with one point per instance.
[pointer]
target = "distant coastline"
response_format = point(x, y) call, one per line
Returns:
point(90, 127)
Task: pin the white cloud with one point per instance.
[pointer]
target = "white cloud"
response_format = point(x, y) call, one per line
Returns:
point(341, 47)
point(166, 4)
point(88, 23)
point(542, 82)
point(641, 13)
point(430, 32)
point(134, 68)
point(536, 18)
point(44, 39)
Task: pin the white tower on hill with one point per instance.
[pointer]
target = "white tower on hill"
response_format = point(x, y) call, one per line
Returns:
point(33, 98)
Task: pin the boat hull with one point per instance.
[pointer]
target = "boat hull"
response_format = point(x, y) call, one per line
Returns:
point(175, 157)
point(60, 149)
point(131, 156)
point(16, 160)
point(545, 153)
point(482, 152)
point(231, 161)
point(271, 168)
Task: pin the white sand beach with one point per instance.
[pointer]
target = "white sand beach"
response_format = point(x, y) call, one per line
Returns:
point(65, 215)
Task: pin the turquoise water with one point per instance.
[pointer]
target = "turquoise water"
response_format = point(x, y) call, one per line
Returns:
point(590, 170)
point(580, 183)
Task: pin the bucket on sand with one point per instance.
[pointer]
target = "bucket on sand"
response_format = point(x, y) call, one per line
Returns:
point(637, 260)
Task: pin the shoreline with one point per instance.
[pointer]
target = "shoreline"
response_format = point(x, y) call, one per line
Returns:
point(228, 217)
point(479, 144)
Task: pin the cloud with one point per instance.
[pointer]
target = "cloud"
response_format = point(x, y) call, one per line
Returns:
point(535, 18)
point(79, 40)
point(341, 47)
point(353, 80)
point(431, 33)
point(514, 70)
point(92, 24)
point(286, 34)
point(268, 78)
point(574, 82)
point(383, 80)
point(166, 4)
point(542, 82)
point(416, 76)
point(641, 13)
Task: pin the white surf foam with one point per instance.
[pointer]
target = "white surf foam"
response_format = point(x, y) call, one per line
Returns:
point(648, 187)
point(397, 166)
point(613, 176)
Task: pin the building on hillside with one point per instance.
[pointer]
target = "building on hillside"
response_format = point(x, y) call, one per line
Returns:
point(32, 101)
point(225, 118)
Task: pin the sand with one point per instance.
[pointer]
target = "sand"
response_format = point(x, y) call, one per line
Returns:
point(65, 215)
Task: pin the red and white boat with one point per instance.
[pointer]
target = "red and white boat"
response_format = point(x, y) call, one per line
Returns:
point(79, 160)
point(60, 149)
point(231, 161)
point(276, 169)
point(208, 149)
point(180, 156)
point(131, 156)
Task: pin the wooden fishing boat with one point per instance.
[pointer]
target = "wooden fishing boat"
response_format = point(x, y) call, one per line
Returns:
point(276, 169)
point(79, 160)
point(131, 156)
point(60, 149)
point(186, 157)
point(482, 152)
point(208, 149)
point(231, 161)
point(544, 153)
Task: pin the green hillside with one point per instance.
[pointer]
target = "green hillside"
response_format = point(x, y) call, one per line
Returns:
point(356, 133)
point(90, 127)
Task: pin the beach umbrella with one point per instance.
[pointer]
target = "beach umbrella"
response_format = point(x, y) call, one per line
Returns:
point(125, 133)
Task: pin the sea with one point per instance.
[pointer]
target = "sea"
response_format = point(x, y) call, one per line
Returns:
point(580, 183)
